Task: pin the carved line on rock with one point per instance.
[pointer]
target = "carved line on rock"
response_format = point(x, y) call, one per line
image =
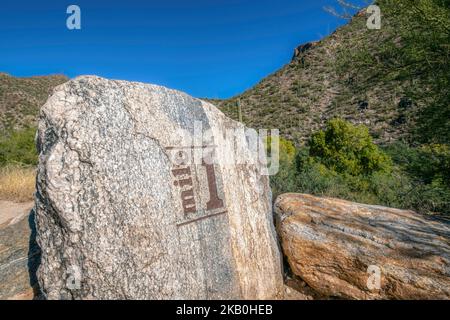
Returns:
point(201, 218)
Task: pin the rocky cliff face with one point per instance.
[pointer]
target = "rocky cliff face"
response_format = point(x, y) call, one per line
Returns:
point(303, 48)
point(138, 198)
point(349, 250)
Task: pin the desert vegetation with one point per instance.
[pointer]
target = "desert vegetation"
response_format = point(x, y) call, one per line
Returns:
point(366, 110)
point(17, 183)
point(364, 114)
point(18, 158)
point(342, 161)
point(20, 100)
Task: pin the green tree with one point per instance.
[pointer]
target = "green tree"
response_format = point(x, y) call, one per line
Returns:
point(345, 148)
point(18, 148)
point(286, 148)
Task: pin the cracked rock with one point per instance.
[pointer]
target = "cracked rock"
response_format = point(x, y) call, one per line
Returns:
point(131, 204)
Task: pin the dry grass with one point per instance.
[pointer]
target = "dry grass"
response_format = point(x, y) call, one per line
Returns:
point(17, 183)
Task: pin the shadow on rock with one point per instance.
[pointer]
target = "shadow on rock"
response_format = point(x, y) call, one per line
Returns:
point(34, 257)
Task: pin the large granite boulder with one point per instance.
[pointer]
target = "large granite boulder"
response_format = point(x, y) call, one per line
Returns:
point(147, 193)
point(350, 250)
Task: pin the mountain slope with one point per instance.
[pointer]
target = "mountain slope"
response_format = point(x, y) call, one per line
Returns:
point(381, 78)
point(21, 98)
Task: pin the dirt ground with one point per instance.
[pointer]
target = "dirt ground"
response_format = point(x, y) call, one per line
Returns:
point(11, 212)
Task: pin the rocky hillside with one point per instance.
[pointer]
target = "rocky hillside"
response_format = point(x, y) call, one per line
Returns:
point(21, 98)
point(381, 78)
point(393, 80)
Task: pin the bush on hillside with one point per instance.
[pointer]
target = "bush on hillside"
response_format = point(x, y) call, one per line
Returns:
point(343, 162)
point(347, 149)
point(18, 148)
point(428, 167)
point(285, 180)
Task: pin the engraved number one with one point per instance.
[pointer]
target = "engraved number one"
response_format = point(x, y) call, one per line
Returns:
point(214, 201)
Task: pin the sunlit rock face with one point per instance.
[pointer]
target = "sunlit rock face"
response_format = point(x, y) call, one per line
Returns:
point(356, 251)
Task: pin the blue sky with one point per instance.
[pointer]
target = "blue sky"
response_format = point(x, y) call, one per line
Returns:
point(207, 48)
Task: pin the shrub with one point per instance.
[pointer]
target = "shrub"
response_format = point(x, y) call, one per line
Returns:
point(428, 167)
point(285, 180)
point(342, 161)
point(18, 148)
point(349, 149)
point(286, 148)
point(433, 163)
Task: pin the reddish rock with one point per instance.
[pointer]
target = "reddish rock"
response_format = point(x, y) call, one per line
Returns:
point(338, 246)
